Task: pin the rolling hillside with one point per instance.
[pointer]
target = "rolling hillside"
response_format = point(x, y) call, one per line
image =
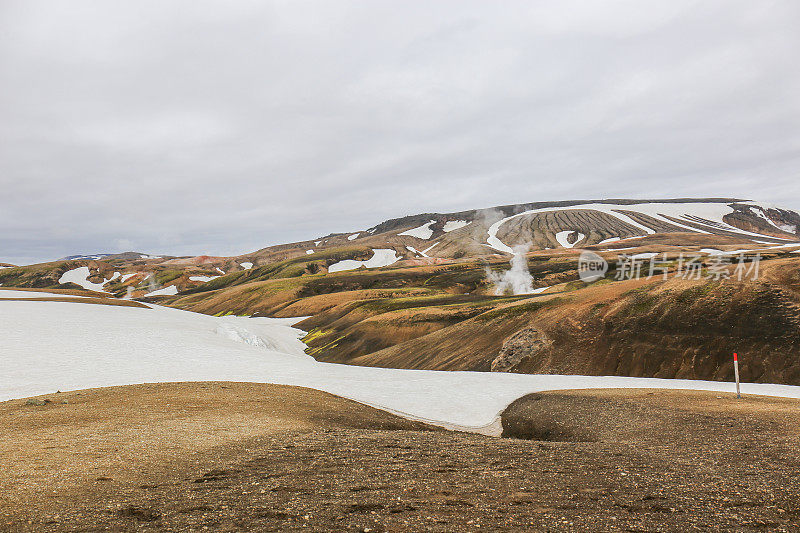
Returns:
point(422, 291)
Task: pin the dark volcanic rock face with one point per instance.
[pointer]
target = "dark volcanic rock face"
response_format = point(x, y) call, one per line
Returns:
point(674, 331)
point(522, 345)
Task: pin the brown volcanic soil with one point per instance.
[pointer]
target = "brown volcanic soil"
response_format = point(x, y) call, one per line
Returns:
point(68, 461)
point(97, 301)
point(65, 292)
point(186, 457)
point(647, 328)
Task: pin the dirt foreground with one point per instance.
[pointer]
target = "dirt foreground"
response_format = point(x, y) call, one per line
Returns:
point(251, 457)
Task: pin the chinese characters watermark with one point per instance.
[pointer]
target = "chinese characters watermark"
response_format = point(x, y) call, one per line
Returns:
point(716, 267)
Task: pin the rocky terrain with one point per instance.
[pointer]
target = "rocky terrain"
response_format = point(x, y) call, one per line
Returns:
point(603, 460)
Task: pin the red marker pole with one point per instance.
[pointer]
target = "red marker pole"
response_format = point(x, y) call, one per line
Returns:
point(736, 372)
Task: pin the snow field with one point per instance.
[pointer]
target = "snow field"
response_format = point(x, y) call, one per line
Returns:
point(380, 258)
point(49, 346)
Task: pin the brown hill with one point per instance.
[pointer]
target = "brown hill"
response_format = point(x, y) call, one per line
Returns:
point(251, 457)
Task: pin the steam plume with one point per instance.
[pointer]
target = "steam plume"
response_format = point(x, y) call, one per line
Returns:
point(518, 280)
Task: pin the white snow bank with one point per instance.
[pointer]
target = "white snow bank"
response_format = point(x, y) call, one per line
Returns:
point(645, 255)
point(353, 237)
point(561, 237)
point(380, 258)
point(233, 328)
point(422, 232)
point(49, 346)
point(789, 245)
point(452, 225)
point(246, 265)
point(309, 252)
point(80, 276)
point(415, 251)
point(429, 248)
point(714, 251)
point(606, 241)
point(204, 279)
point(126, 277)
point(172, 290)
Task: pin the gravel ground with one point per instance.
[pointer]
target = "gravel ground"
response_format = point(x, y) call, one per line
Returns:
point(602, 461)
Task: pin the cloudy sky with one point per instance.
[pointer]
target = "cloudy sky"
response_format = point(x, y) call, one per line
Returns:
point(188, 127)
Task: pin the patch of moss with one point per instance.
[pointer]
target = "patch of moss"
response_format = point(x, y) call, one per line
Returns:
point(692, 294)
point(518, 310)
point(640, 301)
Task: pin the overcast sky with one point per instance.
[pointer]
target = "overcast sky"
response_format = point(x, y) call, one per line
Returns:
point(189, 127)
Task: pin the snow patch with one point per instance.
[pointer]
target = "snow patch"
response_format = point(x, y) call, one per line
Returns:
point(423, 232)
point(714, 251)
point(452, 225)
point(415, 251)
point(380, 258)
point(353, 237)
point(80, 275)
point(309, 252)
point(645, 255)
point(429, 248)
point(561, 237)
point(246, 265)
point(126, 277)
point(172, 290)
point(204, 279)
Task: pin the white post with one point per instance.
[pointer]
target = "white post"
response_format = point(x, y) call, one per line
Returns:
point(736, 372)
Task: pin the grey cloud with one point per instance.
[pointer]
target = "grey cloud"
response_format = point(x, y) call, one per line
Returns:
point(190, 127)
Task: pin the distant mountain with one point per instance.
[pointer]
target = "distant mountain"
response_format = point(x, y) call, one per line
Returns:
point(121, 256)
point(89, 257)
point(425, 291)
point(441, 238)
point(564, 224)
